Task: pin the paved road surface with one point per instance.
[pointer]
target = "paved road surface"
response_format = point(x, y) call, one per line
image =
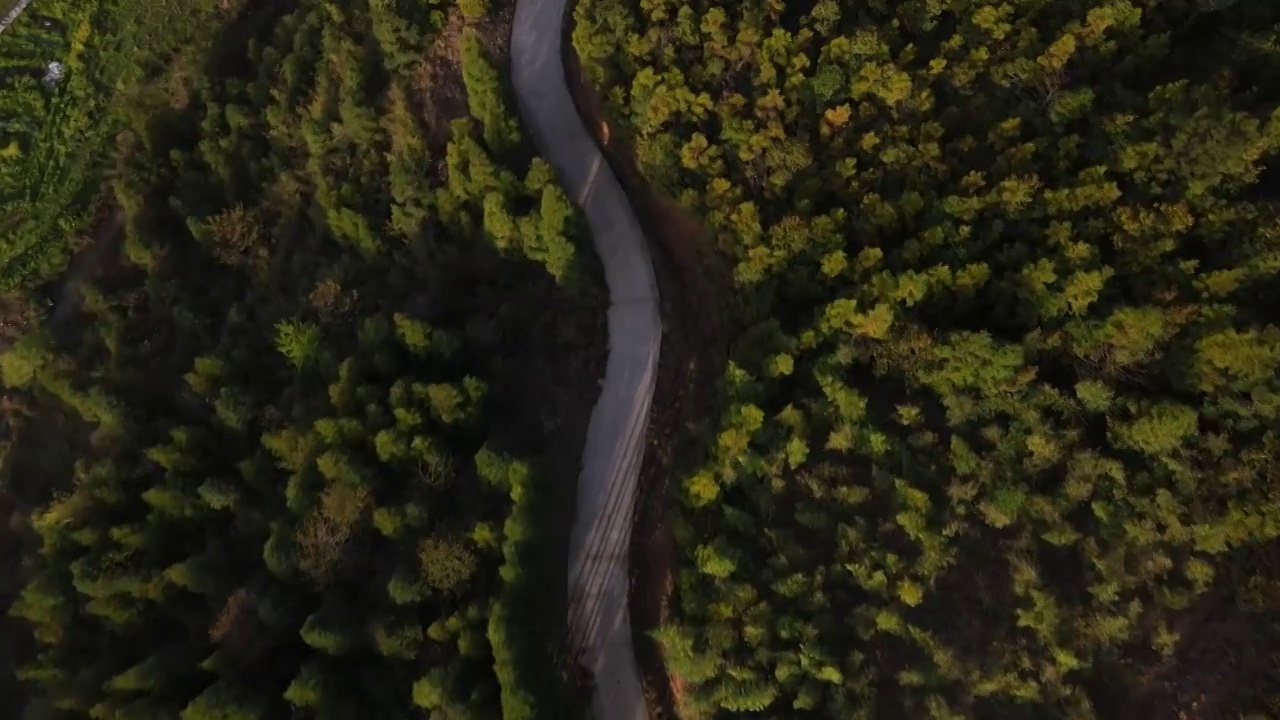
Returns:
point(599, 622)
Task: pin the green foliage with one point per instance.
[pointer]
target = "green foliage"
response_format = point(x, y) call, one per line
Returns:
point(21, 363)
point(298, 341)
point(275, 507)
point(307, 688)
point(446, 564)
point(999, 285)
point(224, 701)
point(484, 93)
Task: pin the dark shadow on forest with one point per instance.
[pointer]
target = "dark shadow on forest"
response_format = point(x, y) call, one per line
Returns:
point(51, 440)
point(548, 377)
point(229, 54)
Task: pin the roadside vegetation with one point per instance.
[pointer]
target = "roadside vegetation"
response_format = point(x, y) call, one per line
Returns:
point(310, 403)
point(1000, 418)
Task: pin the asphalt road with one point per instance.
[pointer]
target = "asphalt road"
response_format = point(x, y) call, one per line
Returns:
point(599, 622)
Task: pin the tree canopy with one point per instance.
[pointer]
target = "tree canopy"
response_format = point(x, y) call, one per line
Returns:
point(1001, 406)
point(301, 482)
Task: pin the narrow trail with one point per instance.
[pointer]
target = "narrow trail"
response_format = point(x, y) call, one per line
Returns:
point(599, 621)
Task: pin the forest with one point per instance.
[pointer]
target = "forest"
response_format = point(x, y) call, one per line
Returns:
point(996, 433)
point(284, 445)
point(298, 336)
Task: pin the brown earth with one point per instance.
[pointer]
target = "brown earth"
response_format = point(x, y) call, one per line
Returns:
point(1192, 683)
point(439, 94)
point(1216, 659)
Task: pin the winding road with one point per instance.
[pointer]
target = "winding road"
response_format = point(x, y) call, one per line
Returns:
point(599, 622)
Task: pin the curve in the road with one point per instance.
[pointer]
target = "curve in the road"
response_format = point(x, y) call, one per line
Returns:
point(599, 621)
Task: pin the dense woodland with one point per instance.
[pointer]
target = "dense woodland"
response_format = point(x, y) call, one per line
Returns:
point(997, 433)
point(285, 449)
point(1000, 415)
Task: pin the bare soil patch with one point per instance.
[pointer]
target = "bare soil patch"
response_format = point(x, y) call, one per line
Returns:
point(16, 313)
point(1214, 661)
point(440, 95)
point(439, 92)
